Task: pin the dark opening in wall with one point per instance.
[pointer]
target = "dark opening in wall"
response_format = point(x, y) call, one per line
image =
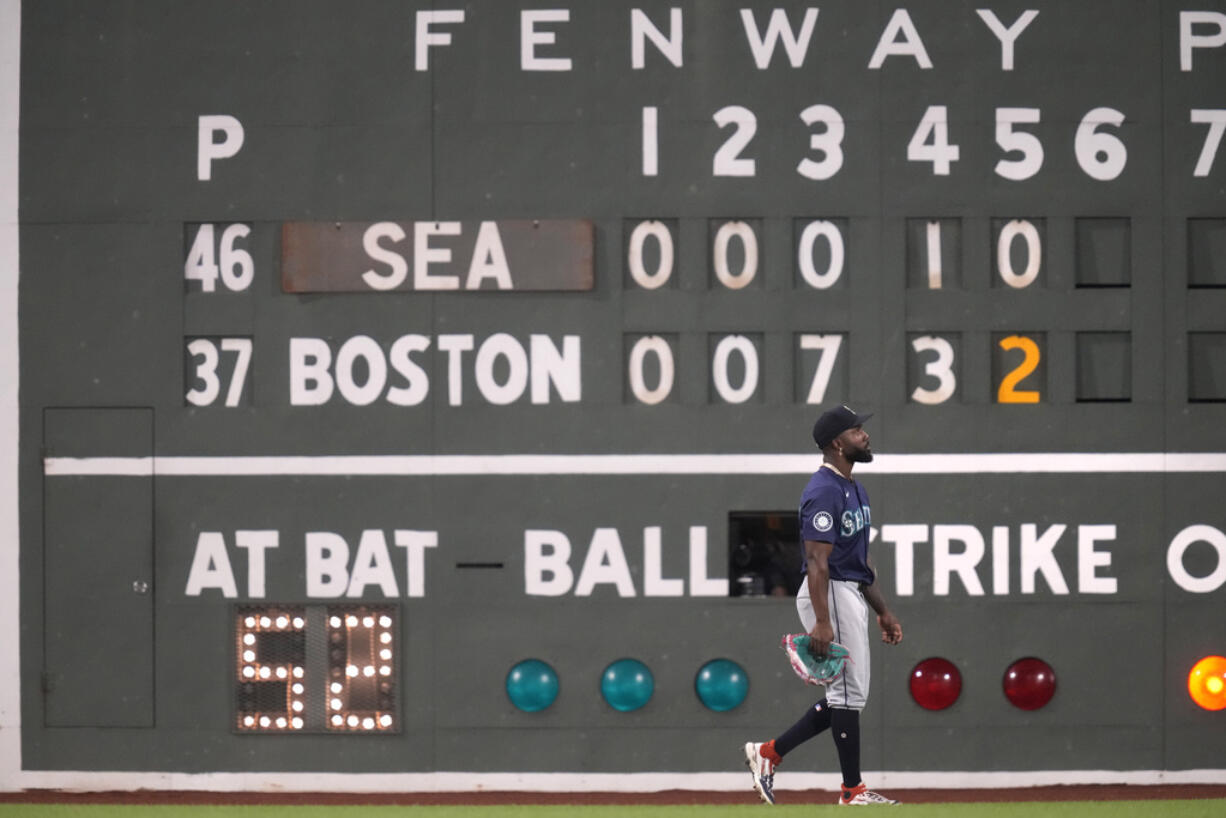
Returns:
point(763, 553)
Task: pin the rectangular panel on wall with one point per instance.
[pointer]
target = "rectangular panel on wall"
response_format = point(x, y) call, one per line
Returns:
point(98, 572)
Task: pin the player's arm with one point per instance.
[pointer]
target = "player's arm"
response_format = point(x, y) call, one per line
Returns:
point(891, 628)
point(817, 566)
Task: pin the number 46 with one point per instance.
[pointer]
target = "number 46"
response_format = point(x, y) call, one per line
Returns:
point(236, 268)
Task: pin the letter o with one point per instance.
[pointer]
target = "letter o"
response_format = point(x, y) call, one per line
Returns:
point(657, 346)
point(1174, 559)
point(365, 347)
point(742, 346)
point(505, 346)
point(664, 239)
point(749, 241)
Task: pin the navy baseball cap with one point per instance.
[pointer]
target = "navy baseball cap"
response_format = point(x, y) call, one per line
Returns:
point(833, 422)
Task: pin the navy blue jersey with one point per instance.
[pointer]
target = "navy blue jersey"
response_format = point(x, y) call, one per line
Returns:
point(834, 509)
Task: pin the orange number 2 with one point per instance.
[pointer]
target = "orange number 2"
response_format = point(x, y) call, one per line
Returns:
point(1008, 393)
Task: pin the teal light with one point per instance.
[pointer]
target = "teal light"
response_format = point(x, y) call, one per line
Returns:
point(721, 684)
point(627, 685)
point(532, 685)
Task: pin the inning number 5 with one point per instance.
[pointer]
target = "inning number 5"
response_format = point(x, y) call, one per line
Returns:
point(206, 359)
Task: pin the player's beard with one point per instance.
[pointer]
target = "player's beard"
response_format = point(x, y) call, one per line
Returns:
point(858, 455)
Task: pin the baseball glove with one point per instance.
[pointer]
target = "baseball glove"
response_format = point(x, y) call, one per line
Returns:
point(808, 667)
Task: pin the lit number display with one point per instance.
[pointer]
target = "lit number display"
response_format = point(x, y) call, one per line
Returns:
point(316, 668)
point(361, 669)
point(271, 665)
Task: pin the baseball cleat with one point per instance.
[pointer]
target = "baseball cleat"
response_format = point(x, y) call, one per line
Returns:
point(860, 795)
point(763, 771)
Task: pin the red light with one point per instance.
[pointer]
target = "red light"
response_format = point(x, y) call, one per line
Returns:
point(1029, 683)
point(935, 683)
point(1207, 683)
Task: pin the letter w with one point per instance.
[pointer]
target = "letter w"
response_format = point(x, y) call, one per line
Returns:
point(764, 47)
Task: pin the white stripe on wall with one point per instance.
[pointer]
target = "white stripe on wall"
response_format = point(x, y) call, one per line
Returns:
point(627, 464)
point(10, 593)
point(85, 781)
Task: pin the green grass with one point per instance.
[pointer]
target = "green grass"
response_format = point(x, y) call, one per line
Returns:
point(1215, 808)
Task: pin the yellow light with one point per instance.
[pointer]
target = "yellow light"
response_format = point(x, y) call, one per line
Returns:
point(1207, 683)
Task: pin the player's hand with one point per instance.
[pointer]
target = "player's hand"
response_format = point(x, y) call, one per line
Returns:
point(891, 628)
point(820, 638)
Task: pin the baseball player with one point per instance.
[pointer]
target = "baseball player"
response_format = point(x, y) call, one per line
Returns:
point(833, 603)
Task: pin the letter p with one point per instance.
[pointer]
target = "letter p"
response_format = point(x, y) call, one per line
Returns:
point(1189, 41)
point(208, 149)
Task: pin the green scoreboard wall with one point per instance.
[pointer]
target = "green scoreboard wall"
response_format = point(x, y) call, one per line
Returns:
point(369, 349)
